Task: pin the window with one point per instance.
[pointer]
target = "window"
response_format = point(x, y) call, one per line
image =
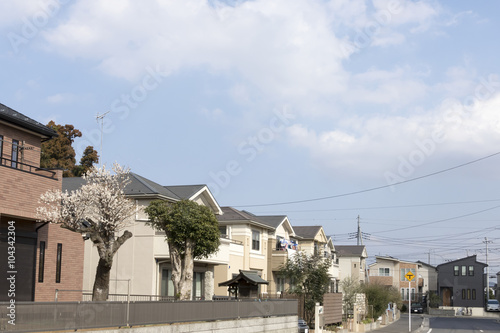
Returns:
point(1, 148)
point(255, 240)
point(383, 271)
point(463, 293)
point(15, 153)
point(455, 270)
point(167, 285)
point(41, 261)
point(464, 270)
point(412, 294)
point(471, 270)
point(468, 294)
point(405, 271)
point(58, 262)
point(406, 294)
point(280, 284)
point(316, 249)
point(473, 293)
point(223, 231)
point(198, 290)
point(278, 242)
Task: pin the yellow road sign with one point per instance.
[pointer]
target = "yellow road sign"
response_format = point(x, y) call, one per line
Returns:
point(409, 276)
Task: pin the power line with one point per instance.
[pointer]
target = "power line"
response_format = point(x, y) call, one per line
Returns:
point(381, 207)
point(439, 221)
point(371, 189)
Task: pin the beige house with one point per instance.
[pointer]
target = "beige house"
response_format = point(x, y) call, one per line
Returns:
point(313, 240)
point(142, 265)
point(352, 261)
point(248, 237)
point(391, 271)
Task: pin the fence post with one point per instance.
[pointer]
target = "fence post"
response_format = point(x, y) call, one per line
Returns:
point(128, 303)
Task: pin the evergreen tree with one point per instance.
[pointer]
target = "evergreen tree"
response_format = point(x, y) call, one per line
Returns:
point(59, 152)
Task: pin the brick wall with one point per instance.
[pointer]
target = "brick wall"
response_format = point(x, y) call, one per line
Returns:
point(71, 268)
point(31, 142)
point(20, 190)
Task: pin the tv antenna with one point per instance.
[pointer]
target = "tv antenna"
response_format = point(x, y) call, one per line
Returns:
point(101, 118)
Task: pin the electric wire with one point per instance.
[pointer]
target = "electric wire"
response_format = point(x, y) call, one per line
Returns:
point(373, 188)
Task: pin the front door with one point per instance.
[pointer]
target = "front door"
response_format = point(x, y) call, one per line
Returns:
point(447, 292)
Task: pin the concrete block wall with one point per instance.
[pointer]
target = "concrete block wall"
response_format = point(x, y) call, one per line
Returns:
point(287, 324)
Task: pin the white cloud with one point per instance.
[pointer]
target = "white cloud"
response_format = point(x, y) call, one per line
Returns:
point(60, 98)
point(286, 48)
point(14, 12)
point(374, 144)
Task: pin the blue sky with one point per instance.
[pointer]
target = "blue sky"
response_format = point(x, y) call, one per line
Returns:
point(282, 101)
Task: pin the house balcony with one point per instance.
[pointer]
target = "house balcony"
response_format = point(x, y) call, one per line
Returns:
point(23, 184)
point(28, 168)
point(278, 259)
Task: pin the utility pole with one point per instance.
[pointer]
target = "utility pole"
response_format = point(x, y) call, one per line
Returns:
point(101, 118)
point(486, 241)
point(360, 238)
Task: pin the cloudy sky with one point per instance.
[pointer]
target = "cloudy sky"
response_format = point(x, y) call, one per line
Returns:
point(320, 110)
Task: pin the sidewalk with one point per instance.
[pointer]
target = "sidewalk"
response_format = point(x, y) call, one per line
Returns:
point(401, 326)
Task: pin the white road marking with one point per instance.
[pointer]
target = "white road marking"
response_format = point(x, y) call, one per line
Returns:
point(429, 331)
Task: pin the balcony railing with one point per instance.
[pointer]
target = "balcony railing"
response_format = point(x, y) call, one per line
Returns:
point(32, 169)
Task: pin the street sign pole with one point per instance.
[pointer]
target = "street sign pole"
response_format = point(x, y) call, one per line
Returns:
point(409, 276)
point(409, 306)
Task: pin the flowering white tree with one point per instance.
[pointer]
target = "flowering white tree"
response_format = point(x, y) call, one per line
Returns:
point(100, 210)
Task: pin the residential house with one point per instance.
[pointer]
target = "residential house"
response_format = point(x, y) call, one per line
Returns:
point(282, 245)
point(142, 265)
point(46, 257)
point(352, 261)
point(461, 283)
point(313, 240)
point(429, 275)
point(249, 242)
point(390, 271)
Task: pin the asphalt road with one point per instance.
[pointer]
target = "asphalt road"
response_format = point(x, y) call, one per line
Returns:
point(401, 326)
point(461, 325)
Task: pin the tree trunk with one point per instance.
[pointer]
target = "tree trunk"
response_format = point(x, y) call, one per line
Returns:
point(106, 247)
point(101, 283)
point(182, 271)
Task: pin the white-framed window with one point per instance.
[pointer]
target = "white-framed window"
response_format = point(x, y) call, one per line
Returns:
point(15, 153)
point(413, 294)
point(405, 271)
point(280, 284)
point(255, 240)
point(402, 294)
point(384, 271)
point(223, 231)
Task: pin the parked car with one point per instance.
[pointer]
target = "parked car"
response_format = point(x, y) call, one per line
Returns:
point(417, 308)
point(303, 328)
point(492, 305)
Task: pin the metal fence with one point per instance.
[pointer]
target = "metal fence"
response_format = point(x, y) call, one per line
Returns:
point(52, 316)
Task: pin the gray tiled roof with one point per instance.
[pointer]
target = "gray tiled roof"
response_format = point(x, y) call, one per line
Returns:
point(251, 277)
point(184, 191)
point(233, 215)
point(307, 232)
point(349, 250)
point(12, 116)
point(138, 186)
point(271, 220)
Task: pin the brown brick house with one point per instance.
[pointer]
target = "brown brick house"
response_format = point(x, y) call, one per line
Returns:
point(46, 257)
